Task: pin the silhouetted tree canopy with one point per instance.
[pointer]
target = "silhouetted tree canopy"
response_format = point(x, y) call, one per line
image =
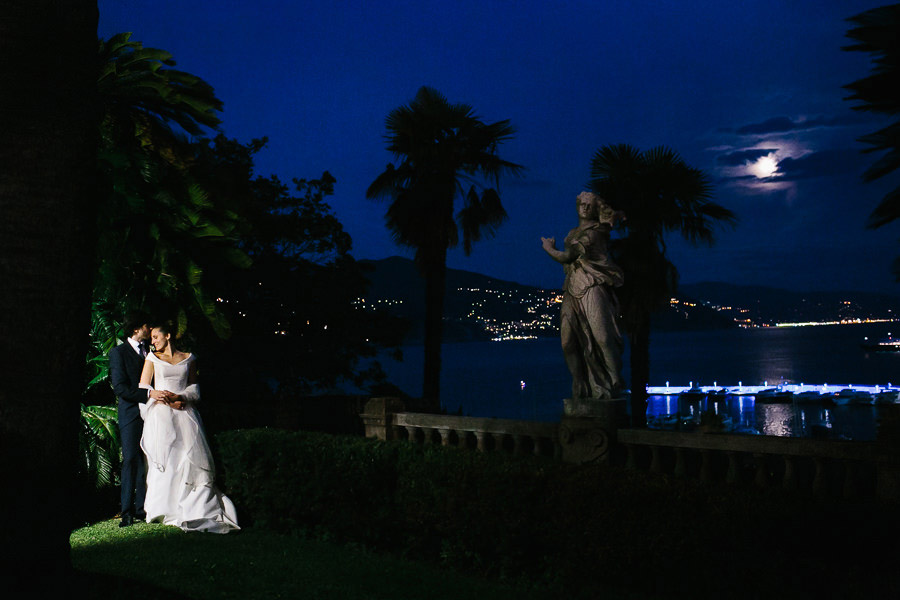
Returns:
point(877, 32)
point(444, 152)
point(659, 194)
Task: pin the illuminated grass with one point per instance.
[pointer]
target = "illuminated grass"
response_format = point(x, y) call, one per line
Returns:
point(155, 561)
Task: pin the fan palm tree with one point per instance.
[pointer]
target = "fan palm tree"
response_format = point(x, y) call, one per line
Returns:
point(659, 194)
point(444, 152)
point(877, 32)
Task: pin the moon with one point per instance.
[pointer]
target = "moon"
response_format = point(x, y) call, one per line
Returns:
point(764, 167)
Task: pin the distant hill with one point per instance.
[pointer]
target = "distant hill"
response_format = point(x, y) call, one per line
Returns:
point(399, 277)
point(479, 307)
point(399, 287)
point(771, 305)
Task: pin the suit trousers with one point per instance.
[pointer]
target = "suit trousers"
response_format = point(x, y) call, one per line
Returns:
point(134, 468)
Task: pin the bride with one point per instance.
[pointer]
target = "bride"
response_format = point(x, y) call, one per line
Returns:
point(180, 489)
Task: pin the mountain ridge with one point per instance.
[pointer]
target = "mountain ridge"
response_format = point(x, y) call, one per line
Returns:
point(479, 306)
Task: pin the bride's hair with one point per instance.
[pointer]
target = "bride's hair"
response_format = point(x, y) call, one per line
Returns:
point(167, 327)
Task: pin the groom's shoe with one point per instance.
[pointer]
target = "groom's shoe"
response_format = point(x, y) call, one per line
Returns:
point(127, 521)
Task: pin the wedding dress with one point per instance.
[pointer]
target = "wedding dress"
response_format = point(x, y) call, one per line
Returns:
point(180, 469)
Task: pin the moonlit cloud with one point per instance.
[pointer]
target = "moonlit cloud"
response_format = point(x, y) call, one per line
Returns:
point(758, 166)
point(742, 157)
point(765, 166)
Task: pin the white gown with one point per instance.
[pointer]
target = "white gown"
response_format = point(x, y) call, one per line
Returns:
point(180, 470)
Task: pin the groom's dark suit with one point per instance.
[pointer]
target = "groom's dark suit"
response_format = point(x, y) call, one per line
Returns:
point(125, 366)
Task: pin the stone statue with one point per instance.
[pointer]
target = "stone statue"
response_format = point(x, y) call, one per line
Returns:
point(589, 319)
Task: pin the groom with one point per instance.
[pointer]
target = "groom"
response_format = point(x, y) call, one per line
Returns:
point(126, 361)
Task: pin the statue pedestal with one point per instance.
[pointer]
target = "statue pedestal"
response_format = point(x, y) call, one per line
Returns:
point(587, 429)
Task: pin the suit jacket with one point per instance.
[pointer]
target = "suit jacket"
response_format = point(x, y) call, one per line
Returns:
point(125, 366)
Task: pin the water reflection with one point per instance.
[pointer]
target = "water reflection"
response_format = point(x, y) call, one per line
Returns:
point(743, 414)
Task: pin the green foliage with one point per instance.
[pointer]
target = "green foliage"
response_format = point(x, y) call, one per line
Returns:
point(141, 95)
point(159, 230)
point(576, 529)
point(99, 444)
point(299, 298)
point(876, 32)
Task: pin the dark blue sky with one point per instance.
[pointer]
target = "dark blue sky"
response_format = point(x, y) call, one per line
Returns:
point(743, 90)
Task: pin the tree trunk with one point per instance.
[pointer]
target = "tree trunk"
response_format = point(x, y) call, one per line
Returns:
point(640, 370)
point(48, 149)
point(435, 287)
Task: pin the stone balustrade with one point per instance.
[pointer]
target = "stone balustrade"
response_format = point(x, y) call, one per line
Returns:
point(826, 467)
point(823, 467)
point(482, 434)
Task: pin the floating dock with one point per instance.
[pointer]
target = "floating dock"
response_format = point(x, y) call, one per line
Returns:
point(750, 390)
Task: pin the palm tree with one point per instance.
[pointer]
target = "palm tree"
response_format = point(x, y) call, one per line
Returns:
point(444, 152)
point(659, 194)
point(877, 32)
point(48, 145)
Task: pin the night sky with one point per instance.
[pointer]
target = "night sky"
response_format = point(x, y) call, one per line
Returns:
point(748, 91)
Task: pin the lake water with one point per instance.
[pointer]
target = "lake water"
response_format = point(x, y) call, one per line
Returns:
point(527, 379)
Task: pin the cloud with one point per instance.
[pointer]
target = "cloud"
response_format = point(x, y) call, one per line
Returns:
point(736, 159)
point(784, 124)
point(818, 164)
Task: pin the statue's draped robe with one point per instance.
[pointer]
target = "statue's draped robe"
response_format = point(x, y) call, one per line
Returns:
point(589, 319)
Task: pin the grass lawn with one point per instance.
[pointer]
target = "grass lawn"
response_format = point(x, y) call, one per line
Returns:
point(157, 561)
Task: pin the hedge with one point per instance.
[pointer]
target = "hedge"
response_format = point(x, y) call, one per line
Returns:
point(568, 526)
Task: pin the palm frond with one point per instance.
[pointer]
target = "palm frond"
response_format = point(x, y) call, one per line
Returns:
point(99, 443)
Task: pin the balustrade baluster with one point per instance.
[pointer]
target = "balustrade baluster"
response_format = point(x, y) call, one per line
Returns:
point(631, 456)
point(705, 465)
point(680, 463)
point(850, 490)
point(734, 472)
point(481, 437)
point(655, 460)
point(445, 436)
point(762, 477)
point(790, 475)
point(818, 485)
